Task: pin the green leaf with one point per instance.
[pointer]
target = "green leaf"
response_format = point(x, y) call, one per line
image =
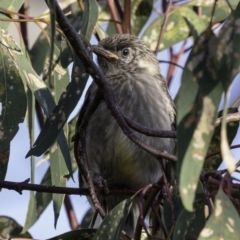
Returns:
point(90, 16)
point(83, 234)
point(71, 133)
point(189, 224)
point(115, 220)
point(222, 10)
point(12, 5)
point(87, 218)
point(58, 178)
point(213, 163)
point(140, 12)
point(12, 93)
point(196, 114)
point(39, 49)
point(183, 225)
point(31, 215)
point(9, 228)
point(101, 33)
point(4, 159)
point(228, 49)
point(26, 72)
point(41, 199)
point(167, 211)
point(55, 122)
point(224, 222)
point(176, 29)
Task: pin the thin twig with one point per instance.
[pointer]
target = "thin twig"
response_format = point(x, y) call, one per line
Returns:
point(148, 131)
point(70, 213)
point(232, 117)
point(168, 193)
point(164, 24)
point(155, 211)
point(126, 24)
point(21, 186)
point(115, 16)
point(143, 211)
point(219, 152)
point(174, 57)
point(172, 63)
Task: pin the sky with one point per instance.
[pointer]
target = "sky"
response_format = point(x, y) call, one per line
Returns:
point(14, 205)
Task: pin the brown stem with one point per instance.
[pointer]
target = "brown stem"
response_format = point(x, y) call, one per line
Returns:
point(70, 213)
point(148, 131)
point(115, 16)
point(174, 57)
point(164, 24)
point(143, 210)
point(20, 186)
point(219, 152)
point(232, 117)
point(126, 24)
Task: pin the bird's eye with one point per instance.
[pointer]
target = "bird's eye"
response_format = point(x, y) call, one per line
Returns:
point(125, 51)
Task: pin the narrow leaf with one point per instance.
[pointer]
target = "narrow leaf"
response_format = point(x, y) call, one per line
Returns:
point(12, 94)
point(12, 5)
point(172, 34)
point(9, 228)
point(225, 150)
point(140, 12)
point(83, 234)
point(213, 163)
point(196, 114)
point(90, 16)
point(115, 221)
point(224, 222)
point(58, 173)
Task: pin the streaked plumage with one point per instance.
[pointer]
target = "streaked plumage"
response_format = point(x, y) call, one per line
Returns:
point(142, 95)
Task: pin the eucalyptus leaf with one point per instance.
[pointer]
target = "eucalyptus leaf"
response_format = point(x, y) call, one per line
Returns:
point(12, 5)
point(223, 222)
point(9, 228)
point(115, 220)
point(196, 114)
point(176, 22)
point(83, 234)
point(90, 16)
point(12, 94)
point(39, 204)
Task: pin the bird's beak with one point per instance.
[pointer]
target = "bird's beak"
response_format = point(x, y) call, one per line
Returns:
point(100, 51)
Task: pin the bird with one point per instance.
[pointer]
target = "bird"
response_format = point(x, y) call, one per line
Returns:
point(142, 95)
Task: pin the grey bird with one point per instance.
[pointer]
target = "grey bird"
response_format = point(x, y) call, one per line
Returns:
point(142, 95)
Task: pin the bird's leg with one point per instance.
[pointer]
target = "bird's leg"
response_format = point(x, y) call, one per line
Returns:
point(100, 184)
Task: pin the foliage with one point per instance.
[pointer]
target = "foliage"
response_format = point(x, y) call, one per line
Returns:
point(198, 201)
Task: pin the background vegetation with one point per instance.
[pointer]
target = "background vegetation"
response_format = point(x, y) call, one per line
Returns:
point(46, 81)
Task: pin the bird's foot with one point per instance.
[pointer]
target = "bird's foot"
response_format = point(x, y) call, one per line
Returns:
point(100, 184)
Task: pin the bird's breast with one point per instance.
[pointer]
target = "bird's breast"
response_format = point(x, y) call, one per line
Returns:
point(111, 154)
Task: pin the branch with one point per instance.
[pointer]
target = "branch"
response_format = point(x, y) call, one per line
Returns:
point(148, 131)
point(20, 186)
point(115, 16)
point(70, 213)
point(219, 152)
point(103, 84)
point(164, 24)
point(126, 24)
point(232, 117)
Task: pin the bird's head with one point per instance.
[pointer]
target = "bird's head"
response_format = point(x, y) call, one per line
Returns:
point(125, 53)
